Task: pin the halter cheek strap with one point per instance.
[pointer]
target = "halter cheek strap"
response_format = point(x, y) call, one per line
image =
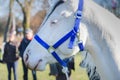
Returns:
point(72, 35)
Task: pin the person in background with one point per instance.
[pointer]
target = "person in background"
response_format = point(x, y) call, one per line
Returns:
point(24, 43)
point(10, 56)
point(56, 69)
point(1, 61)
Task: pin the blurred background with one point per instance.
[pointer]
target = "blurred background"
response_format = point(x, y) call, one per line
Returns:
point(19, 15)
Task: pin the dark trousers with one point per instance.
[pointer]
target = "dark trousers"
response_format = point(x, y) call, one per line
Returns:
point(25, 70)
point(1, 61)
point(9, 68)
point(61, 77)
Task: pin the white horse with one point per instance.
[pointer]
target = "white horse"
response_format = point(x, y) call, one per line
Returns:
point(99, 31)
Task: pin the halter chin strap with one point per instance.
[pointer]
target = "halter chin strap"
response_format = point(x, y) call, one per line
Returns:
point(72, 35)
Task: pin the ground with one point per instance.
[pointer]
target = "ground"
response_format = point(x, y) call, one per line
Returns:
point(78, 74)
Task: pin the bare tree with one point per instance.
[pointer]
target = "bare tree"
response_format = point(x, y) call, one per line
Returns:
point(26, 9)
point(9, 20)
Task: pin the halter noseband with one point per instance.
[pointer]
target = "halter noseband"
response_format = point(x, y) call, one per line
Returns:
point(72, 35)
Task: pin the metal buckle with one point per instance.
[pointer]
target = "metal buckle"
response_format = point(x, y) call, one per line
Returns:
point(74, 31)
point(51, 49)
point(78, 14)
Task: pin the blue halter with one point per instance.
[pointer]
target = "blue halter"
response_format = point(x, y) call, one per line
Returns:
point(72, 35)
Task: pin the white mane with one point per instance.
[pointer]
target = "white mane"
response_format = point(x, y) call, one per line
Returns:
point(104, 31)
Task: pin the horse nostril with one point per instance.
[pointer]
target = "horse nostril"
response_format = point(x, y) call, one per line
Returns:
point(40, 60)
point(27, 56)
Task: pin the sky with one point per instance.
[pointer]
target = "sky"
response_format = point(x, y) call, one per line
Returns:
point(4, 8)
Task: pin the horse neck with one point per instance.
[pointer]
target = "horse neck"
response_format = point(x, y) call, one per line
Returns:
point(102, 24)
point(103, 29)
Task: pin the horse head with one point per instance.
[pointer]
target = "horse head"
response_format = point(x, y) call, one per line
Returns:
point(58, 23)
point(98, 31)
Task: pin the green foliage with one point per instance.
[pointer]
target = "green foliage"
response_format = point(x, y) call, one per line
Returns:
point(78, 74)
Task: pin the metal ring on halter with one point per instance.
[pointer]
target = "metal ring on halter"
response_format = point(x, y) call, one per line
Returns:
point(51, 49)
point(78, 14)
point(65, 71)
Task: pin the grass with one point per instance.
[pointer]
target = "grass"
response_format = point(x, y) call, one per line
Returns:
point(78, 74)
